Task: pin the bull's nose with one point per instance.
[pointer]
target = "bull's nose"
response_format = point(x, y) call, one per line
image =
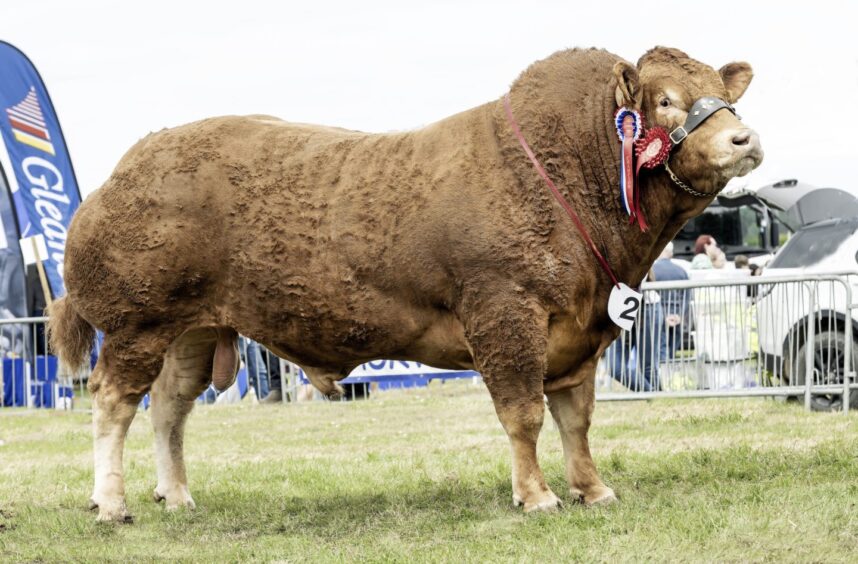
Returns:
point(742, 138)
point(747, 146)
point(746, 143)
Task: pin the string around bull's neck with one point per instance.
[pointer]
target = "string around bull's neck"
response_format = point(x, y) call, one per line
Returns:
point(557, 195)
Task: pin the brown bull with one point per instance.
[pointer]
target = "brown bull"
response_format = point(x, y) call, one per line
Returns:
point(335, 247)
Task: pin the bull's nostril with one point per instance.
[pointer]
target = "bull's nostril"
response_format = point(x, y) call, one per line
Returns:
point(742, 138)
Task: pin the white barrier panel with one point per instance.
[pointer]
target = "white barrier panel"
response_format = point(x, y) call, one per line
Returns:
point(398, 370)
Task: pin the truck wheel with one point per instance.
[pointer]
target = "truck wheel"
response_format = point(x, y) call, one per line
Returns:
point(829, 356)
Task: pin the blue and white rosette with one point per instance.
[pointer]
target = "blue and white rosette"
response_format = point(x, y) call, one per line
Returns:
point(627, 171)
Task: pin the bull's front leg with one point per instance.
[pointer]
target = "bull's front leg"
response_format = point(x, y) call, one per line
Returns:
point(572, 410)
point(508, 343)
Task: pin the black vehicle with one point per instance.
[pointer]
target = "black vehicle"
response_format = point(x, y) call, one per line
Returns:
point(740, 222)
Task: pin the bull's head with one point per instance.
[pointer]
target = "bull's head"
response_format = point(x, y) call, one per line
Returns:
point(665, 85)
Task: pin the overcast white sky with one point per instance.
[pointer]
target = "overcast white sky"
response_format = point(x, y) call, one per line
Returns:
point(118, 70)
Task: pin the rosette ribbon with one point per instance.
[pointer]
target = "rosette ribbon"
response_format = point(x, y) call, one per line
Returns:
point(629, 124)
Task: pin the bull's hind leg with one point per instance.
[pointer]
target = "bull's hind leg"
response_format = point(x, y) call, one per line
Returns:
point(125, 371)
point(509, 347)
point(187, 372)
point(572, 410)
point(326, 381)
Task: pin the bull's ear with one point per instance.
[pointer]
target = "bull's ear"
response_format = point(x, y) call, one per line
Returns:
point(736, 78)
point(628, 84)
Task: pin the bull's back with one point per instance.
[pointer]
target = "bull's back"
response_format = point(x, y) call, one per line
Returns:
point(164, 227)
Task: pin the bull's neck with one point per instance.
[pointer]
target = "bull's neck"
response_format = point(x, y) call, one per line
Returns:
point(581, 154)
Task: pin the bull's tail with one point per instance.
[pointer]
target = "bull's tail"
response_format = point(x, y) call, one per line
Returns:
point(71, 336)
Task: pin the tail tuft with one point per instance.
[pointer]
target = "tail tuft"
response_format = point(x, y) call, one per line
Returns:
point(71, 337)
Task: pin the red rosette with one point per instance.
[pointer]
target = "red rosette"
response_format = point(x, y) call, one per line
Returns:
point(653, 148)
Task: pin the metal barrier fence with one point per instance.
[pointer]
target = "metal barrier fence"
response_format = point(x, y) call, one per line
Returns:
point(760, 336)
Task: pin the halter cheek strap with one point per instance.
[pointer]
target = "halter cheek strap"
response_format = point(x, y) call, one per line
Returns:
point(702, 110)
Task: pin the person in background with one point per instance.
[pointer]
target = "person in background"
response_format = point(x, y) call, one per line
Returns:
point(263, 370)
point(743, 263)
point(707, 255)
point(675, 303)
point(272, 362)
point(634, 357)
point(257, 373)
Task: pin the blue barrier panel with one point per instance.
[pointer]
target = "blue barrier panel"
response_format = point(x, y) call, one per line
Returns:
point(43, 387)
point(13, 383)
point(45, 381)
point(46, 368)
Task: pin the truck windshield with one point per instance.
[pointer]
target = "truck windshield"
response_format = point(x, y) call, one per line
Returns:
point(738, 230)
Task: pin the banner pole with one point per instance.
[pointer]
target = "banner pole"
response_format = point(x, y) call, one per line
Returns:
point(42, 276)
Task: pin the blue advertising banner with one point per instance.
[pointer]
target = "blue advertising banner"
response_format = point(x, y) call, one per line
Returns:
point(13, 302)
point(38, 167)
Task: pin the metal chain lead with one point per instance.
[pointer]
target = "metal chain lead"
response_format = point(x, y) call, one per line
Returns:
point(683, 185)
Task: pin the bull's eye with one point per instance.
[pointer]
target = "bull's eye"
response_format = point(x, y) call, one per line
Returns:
point(664, 102)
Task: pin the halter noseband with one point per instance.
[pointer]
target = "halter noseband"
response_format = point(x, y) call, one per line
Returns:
point(700, 111)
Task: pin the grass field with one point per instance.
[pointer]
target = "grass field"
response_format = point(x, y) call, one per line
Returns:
point(424, 476)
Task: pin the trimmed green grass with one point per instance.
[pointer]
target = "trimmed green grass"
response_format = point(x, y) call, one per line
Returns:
point(424, 476)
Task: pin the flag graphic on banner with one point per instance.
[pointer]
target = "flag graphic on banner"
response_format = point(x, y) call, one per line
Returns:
point(28, 123)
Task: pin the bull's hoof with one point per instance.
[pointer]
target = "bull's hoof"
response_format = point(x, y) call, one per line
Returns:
point(178, 498)
point(601, 495)
point(547, 501)
point(111, 512)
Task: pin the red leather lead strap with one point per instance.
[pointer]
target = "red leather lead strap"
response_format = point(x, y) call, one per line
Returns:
point(566, 206)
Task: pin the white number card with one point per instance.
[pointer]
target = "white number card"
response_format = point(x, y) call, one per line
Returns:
point(623, 306)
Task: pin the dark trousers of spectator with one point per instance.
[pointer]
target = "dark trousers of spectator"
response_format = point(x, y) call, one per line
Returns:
point(263, 367)
point(634, 361)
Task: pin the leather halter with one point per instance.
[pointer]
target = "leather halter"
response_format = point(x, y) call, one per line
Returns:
point(700, 111)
